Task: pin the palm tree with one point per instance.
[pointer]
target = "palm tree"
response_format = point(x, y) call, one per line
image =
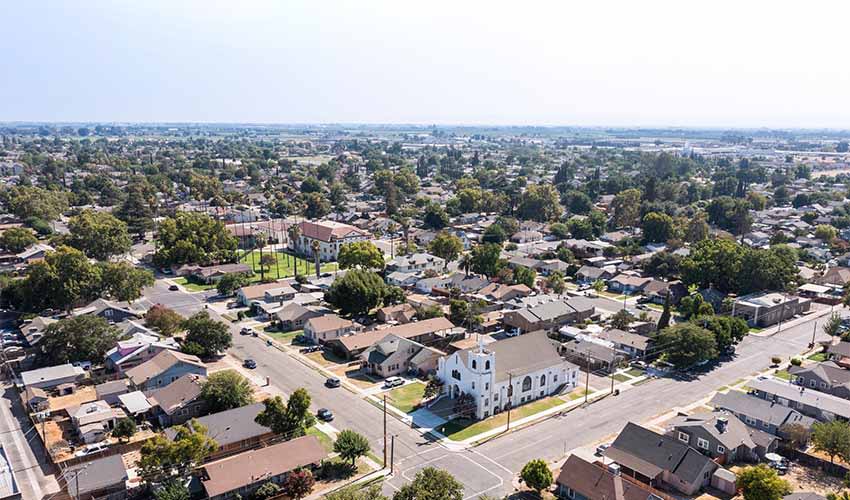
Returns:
point(294, 233)
point(392, 227)
point(466, 263)
point(315, 246)
point(260, 241)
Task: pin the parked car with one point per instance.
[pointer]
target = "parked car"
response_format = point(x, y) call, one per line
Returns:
point(312, 348)
point(245, 331)
point(250, 363)
point(174, 288)
point(90, 449)
point(393, 382)
point(300, 339)
point(325, 414)
point(513, 332)
point(333, 382)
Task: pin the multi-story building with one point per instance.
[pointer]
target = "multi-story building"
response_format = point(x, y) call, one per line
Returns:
point(330, 235)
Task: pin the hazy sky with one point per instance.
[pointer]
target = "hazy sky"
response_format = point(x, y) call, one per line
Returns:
point(565, 62)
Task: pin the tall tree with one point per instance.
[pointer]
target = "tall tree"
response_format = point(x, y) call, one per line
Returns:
point(832, 438)
point(17, 239)
point(351, 445)
point(163, 458)
point(537, 475)
point(626, 207)
point(205, 336)
point(226, 390)
point(431, 484)
point(164, 320)
point(360, 254)
point(760, 482)
point(687, 344)
point(446, 246)
point(193, 238)
point(78, 338)
point(100, 235)
point(290, 419)
point(122, 281)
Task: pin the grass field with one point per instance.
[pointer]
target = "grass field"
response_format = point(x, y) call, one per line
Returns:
point(284, 265)
point(460, 430)
point(783, 374)
point(406, 397)
point(636, 372)
point(619, 377)
point(192, 287)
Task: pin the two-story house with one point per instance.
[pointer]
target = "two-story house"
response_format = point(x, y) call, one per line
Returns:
point(723, 437)
point(328, 327)
point(826, 377)
point(163, 369)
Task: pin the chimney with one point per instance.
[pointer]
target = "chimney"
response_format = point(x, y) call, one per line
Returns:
point(614, 468)
point(722, 422)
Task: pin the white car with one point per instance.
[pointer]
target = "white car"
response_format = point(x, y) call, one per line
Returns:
point(90, 449)
point(393, 382)
point(512, 333)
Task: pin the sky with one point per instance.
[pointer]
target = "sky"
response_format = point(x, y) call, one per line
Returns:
point(680, 63)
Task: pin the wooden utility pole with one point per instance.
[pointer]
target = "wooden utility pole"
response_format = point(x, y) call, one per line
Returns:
point(385, 431)
point(587, 381)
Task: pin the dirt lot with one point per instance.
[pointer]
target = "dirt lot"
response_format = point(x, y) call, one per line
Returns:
point(83, 394)
point(356, 376)
point(810, 479)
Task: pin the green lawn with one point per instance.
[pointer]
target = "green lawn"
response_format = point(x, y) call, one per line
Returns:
point(192, 287)
point(406, 397)
point(818, 356)
point(783, 374)
point(284, 337)
point(326, 440)
point(636, 372)
point(460, 429)
point(619, 377)
point(284, 266)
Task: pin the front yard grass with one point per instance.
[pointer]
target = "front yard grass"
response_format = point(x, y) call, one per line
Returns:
point(325, 358)
point(462, 429)
point(818, 356)
point(284, 266)
point(407, 397)
point(283, 337)
point(619, 377)
point(636, 372)
point(192, 287)
point(578, 393)
point(783, 374)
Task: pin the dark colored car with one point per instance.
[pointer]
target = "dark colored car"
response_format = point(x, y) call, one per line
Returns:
point(250, 363)
point(333, 382)
point(174, 288)
point(325, 414)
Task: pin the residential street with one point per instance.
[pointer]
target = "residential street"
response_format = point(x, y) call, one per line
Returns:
point(490, 467)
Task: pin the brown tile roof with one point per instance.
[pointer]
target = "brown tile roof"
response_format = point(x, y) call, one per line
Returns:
point(256, 291)
point(244, 469)
point(158, 364)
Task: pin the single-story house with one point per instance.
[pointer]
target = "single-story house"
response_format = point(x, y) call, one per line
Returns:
point(163, 369)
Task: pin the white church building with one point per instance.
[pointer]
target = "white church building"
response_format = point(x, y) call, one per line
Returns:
point(506, 373)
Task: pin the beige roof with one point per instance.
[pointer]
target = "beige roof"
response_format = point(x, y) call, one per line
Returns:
point(407, 330)
point(158, 364)
point(247, 468)
point(256, 291)
point(328, 322)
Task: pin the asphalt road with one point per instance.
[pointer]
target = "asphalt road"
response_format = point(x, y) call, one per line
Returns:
point(491, 467)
